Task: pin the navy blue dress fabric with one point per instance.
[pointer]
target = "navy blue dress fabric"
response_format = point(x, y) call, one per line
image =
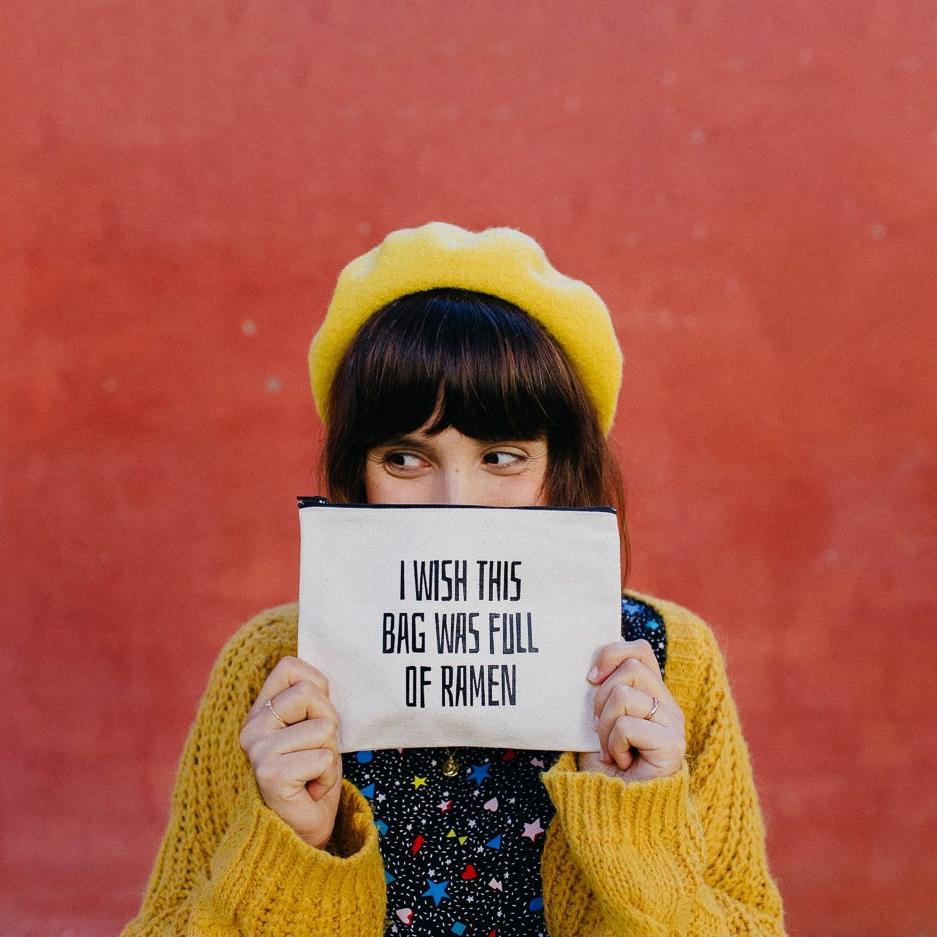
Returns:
point(462, 854)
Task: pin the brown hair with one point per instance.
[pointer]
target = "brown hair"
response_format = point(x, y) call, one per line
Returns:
point(484, 367)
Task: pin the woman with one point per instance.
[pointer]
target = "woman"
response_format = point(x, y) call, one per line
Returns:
point(462, 368)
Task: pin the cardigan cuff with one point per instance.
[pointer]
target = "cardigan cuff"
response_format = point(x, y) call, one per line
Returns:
point(263, 870)
point(640, 811)
point(639, 843)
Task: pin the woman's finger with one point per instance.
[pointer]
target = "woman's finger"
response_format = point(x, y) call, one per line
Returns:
point(625, 700)
point(660, 746)
point(331, 776)
point(628, 706)
point(303, 700)
point(610, 656)
point(308, 734)
point(313, 771)
point(287, 672)
point(635, 674)
point(298, 703)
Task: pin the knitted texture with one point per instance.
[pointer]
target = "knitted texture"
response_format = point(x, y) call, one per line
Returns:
point(499, 261)
point(682, 855)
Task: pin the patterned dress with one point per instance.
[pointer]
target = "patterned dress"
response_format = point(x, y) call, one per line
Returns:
point(462, 853)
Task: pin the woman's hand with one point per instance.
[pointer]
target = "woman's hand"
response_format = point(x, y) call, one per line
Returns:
point(636, 745)
point(296, 760)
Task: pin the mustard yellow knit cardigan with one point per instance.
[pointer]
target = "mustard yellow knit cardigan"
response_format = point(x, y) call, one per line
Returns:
point(682, 855)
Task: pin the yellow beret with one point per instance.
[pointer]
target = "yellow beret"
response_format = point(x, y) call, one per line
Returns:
point(499, 261)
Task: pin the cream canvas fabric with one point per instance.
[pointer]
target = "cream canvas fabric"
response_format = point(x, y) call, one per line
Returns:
point(458, 626)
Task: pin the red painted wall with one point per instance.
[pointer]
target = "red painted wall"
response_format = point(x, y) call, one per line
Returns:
point(751, 186)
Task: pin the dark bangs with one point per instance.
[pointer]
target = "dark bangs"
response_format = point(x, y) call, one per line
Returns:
point(480, 365)
point(490, 368)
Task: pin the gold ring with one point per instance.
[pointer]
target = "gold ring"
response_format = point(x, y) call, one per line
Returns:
point(269, 705)
point(654, 705)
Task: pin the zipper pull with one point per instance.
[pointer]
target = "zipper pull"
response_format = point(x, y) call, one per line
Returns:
point(305, 501)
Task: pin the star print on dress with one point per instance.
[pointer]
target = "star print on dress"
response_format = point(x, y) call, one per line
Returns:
point(436, 891)
point(491, 872)
point(640, 620)
point(479, 773)
point(462, 854)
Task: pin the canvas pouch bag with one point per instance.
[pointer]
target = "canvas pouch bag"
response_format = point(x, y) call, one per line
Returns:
point(458, 626)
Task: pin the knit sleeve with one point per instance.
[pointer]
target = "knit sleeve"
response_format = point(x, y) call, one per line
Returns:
point(228, 865)
point(682, 855)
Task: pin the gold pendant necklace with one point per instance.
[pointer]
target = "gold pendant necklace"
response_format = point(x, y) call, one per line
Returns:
point(450, 767)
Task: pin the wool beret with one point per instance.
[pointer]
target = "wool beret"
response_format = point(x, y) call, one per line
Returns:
point(502, 262)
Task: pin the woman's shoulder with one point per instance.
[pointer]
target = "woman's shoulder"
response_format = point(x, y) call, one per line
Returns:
point(259, 643)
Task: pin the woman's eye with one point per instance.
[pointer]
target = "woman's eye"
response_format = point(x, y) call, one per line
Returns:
point(502, 459)
point(403, 460)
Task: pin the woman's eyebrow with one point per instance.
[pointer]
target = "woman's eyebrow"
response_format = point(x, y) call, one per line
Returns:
point(405, 440)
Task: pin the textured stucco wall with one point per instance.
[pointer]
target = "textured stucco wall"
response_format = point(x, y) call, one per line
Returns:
point(751, 186)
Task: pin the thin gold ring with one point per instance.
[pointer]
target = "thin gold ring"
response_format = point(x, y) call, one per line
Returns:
point(654, 704)
point(269, 705)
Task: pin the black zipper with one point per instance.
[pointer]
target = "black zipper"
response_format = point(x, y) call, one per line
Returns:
point(317, 501)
